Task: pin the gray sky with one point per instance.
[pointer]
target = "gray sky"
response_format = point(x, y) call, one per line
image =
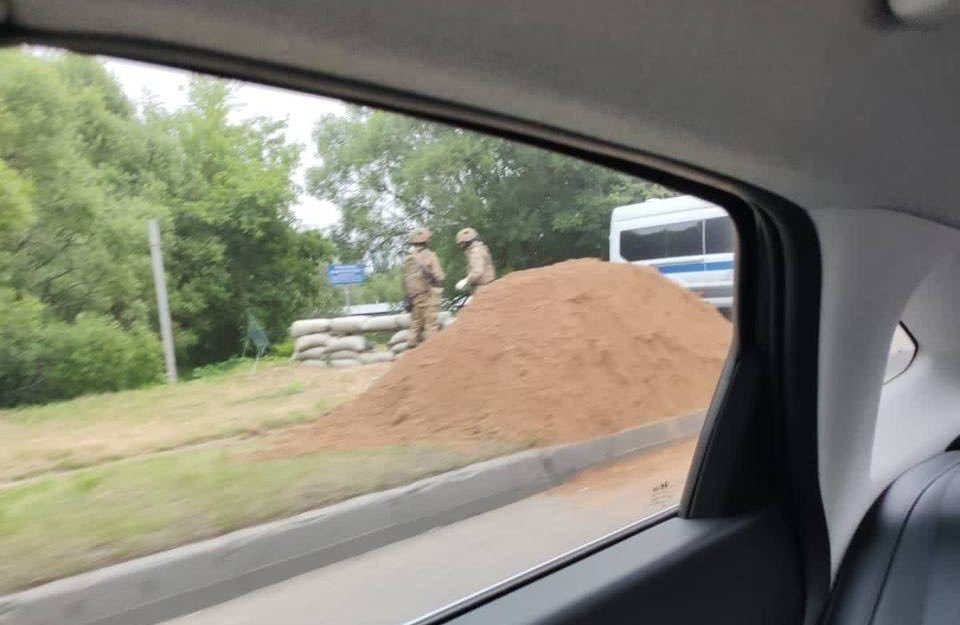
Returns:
point(169, 88)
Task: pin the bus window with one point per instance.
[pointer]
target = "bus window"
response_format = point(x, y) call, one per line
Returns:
point(684, 239)
point(643, 243)
point(664, 241)
point(720, 236)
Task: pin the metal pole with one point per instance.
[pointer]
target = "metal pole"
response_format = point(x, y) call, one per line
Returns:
point(347, 290)
point(163, 306)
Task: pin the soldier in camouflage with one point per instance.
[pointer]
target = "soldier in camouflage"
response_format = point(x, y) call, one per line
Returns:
point(480, 270)
point(422, 276)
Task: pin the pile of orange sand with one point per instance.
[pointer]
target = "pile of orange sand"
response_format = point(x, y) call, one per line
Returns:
point(561, 353)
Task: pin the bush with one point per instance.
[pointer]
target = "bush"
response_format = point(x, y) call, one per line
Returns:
point(283, 349)
point(21, 322)
point(94, 354)
point(43, 360)
point(219, 369)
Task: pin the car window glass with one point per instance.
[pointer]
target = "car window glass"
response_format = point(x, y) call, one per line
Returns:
point(719, 236)
point(224, 305)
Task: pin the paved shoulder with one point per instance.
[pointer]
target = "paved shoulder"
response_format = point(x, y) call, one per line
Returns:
point(409, 578)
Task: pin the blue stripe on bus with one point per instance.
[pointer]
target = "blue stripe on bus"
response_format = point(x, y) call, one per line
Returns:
point(717, 265)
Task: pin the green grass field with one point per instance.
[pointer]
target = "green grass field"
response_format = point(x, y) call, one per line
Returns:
point(99, 428)
point(97, 480)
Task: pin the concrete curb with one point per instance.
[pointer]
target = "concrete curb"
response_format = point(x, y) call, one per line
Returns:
point(176, 582)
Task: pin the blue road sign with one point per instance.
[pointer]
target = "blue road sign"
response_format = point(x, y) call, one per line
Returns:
point(339, 275)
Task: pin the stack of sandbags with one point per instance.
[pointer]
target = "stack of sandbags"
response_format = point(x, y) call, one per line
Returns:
point(398, 342)
point(385, 323)
point(342, 326)
point(368, 358)
point(311, 347)
point(340, 342)
point(326, 342)
point(309, 326)
point(310, 338)
point(403, 320)
point(445, 319)
point(344, 351)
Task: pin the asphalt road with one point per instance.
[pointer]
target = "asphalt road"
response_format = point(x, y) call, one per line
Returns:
point(412, 577)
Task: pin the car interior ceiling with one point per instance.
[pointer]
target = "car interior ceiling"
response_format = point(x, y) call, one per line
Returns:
point(830, 131)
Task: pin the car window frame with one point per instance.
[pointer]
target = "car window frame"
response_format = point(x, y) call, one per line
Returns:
point(777, 285)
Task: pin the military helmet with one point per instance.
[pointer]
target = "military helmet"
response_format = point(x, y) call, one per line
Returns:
point(419, 235)
point(466, 236)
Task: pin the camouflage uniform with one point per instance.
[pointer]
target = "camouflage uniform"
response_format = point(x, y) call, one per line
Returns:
point(422, 276)
point(480, 270)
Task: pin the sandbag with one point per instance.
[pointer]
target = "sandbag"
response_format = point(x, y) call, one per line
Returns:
point(314, 353)
point(305, 342)
point(309, 326)
point(447, 322)
point(347, 325)
point(342, 354)
point(315, 363)
point(398, 337)
point(353, 343)
point(443, 316)
point(372, 357)
point(403, 321)
point(342, 363)
point(399, 347)
point(386, 323)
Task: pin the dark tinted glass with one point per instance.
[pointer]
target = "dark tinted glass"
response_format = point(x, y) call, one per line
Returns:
point(680, 239)
point(685, 239)
point(720, 235)
point(643, 243)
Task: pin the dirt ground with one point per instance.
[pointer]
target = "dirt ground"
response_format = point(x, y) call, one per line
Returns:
point(653, 479)
point(551, 355)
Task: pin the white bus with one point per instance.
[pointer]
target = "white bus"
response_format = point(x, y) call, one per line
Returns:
point(687, 239)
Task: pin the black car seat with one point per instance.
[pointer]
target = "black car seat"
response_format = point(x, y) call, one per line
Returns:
point(903, 566)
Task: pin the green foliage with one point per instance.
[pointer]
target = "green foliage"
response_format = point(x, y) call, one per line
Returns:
point(219, 369)
point(44, 359)
point(388, 173)
point(15, 206)
point(21, 325)
point(234, 248)
point(94, 354)
point(82, 170)
point(283, 349)
point(381, 286)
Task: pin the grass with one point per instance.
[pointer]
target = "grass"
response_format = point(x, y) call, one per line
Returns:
point(225, 403)
point(104, 478)
point(62, 524)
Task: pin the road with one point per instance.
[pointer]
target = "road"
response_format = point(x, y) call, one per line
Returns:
point(412, 577)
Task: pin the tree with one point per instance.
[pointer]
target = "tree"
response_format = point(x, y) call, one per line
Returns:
point(66, 248)
point(388, 173)
point(82, 170)
point(233, 245)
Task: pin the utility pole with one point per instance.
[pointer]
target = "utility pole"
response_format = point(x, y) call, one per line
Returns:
point(163, 306)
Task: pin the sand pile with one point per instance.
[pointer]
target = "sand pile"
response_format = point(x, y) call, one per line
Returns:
point(566, 352)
